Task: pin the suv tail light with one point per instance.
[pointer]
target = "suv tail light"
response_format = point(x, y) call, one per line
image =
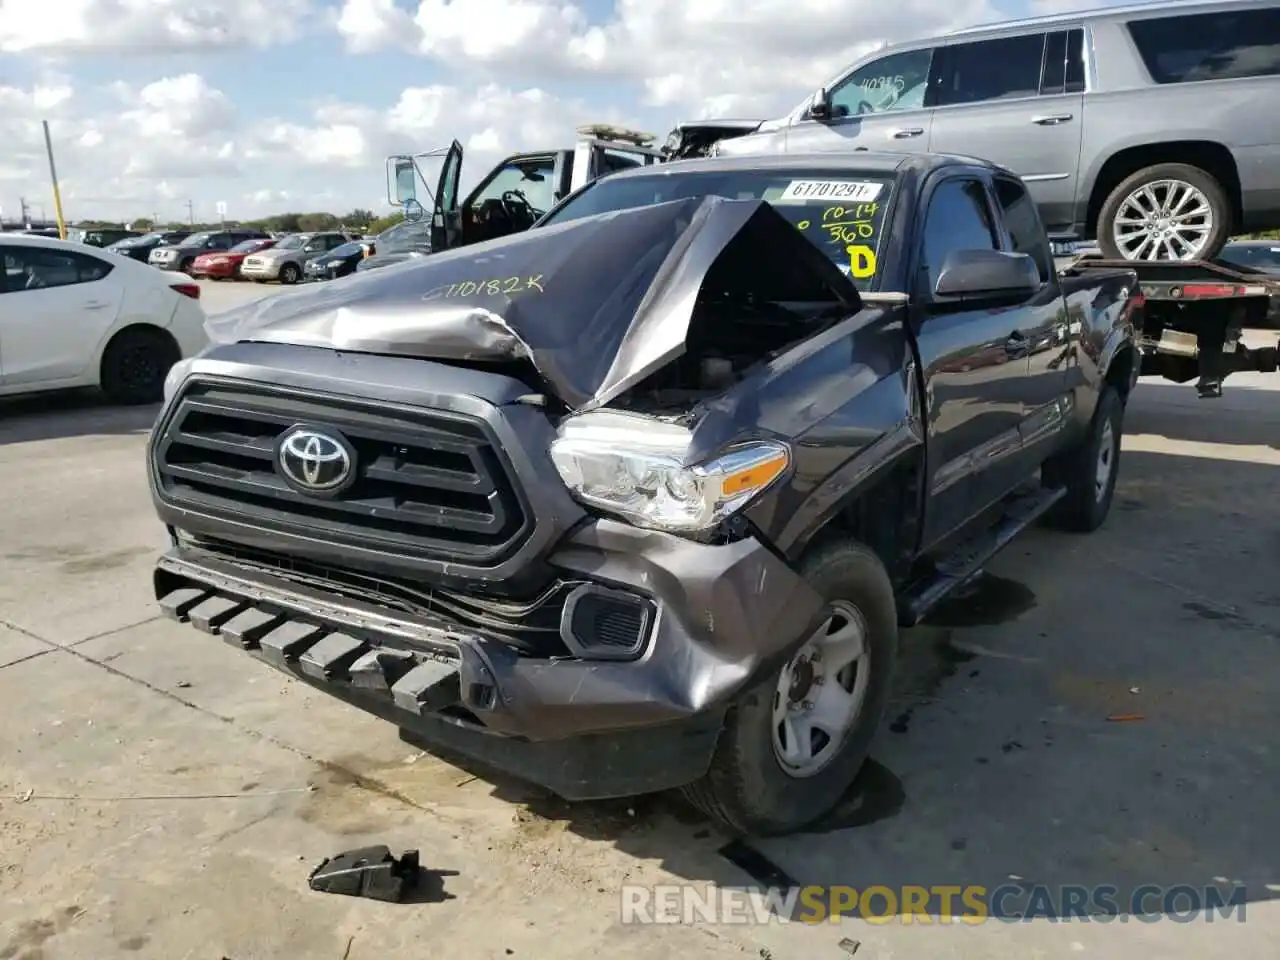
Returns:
point(191, 290)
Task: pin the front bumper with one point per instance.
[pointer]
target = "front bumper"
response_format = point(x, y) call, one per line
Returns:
point(174, 264)
point(213, 269)
point(583, 728)
point(261, 271)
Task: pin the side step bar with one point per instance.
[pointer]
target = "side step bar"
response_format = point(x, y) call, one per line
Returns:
point(965, 561)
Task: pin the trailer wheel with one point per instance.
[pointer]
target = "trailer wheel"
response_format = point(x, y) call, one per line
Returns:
point(1089, 469)
point(1169, 211)
point(792, 745)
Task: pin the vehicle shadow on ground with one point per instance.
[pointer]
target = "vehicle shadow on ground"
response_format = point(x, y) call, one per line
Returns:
point(1095, 714)
point(1241, 416)
point(72, 414)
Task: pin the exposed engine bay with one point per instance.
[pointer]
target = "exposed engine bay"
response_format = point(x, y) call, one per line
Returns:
point(731, 333)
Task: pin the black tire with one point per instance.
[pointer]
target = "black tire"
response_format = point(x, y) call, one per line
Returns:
point(184, 266)
point(1219, 204)
point(290, 274)
point(746, 788)
point(1086, 505)
point(134, 365)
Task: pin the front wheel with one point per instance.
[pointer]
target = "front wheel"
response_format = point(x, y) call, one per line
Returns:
point(1169, 211)
point(793, 745)
point(1089, 470)
point(290, 274)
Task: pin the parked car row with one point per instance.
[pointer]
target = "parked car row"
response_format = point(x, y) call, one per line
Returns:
point(246, 254)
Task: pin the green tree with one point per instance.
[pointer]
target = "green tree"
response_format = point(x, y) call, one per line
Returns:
point(311, 222)
point(385, 223)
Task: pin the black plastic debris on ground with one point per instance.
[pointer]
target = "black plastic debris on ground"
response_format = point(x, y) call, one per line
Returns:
point(370, 872)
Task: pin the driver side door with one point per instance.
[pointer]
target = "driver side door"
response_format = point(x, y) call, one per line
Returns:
point(884, 105)
point(446, 224)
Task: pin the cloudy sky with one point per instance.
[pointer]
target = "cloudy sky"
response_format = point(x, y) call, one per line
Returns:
point(275, 105)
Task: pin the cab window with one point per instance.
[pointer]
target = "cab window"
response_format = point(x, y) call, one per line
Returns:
point(892, 83)
point(516, 195)
point(1022, 225)
point(958, 218)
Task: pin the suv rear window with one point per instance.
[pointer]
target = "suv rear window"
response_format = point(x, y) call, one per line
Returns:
point(1210, 46)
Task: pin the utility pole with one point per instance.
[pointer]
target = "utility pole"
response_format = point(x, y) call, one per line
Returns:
point(191, 213)
point(53, 176)
point(24, 213)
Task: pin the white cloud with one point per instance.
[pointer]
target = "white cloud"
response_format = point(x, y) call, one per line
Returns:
point(180, 137)
point(495, 76)
point(702, 57)
point(146, 26)
point(369, 25)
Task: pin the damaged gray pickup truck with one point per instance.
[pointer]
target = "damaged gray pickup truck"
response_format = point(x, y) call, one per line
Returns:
point(639, 499)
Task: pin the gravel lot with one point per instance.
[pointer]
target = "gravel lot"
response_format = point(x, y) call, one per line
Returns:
point(161, 795)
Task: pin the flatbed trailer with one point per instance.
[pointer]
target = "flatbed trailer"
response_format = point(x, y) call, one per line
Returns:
point(1194, 315)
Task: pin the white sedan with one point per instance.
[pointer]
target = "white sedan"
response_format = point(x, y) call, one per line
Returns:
point(77, 316)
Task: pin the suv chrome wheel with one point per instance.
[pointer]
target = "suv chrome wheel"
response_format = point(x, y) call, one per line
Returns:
point(1164, 220)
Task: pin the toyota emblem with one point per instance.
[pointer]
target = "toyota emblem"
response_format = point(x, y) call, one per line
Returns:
point(315, 461)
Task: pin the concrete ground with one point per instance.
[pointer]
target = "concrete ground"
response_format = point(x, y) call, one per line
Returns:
point(162, 795)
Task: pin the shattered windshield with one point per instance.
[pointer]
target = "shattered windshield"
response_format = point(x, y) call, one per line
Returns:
point(840, 211)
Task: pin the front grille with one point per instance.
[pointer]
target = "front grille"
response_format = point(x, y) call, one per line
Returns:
point(427, 483)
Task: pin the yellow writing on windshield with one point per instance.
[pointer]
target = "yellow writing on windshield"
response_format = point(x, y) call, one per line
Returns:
point(862, 261)
point(489, 287)
point(850, 224)
point(845, 225)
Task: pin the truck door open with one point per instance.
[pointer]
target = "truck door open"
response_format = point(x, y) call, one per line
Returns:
point(403, 175)
point(446, 226)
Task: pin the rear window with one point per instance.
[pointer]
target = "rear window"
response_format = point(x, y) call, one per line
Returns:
point(840, 211)
point(1210, 46)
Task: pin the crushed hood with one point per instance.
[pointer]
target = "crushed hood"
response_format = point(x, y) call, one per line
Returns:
point(595, 305)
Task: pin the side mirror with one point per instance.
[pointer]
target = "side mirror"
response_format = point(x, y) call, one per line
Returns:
point(402, 177)
point(820, 108)
point(988, 275)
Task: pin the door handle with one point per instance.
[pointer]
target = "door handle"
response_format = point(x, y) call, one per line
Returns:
point(906, 133)
point(1052, 121)
point(95, 305)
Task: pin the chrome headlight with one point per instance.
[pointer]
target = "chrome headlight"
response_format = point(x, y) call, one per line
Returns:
point(634, 467)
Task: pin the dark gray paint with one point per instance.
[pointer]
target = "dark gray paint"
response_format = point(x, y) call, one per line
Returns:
point(900, 383)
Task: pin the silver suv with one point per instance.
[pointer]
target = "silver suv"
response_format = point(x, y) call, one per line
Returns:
point(1153, 129)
